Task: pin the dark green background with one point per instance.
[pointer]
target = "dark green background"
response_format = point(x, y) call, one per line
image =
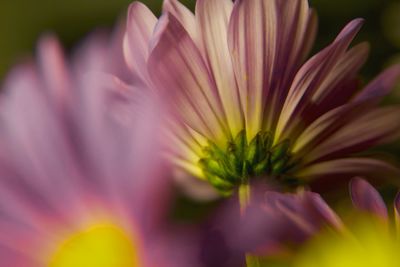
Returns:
point(22, 22)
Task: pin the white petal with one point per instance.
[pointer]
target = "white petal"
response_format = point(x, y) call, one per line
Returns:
point(213, 17)
point(179, 73)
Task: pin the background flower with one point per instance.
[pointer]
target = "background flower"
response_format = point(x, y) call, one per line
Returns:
point(81, 180)
point(302, 230)
point(371, 238)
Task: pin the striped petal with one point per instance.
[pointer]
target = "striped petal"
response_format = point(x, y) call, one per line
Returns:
point(372, 128)
point(333, 92)
point(266, 42)
point(140, 25)
point(296, 31)
point(177, 66)
point(366, 198)
point(350, 166)
point(213, 17)
point(316, 131)
point(333, 120)
point(184, 16)
point(310, 77)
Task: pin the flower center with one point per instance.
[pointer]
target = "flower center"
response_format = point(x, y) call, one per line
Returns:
point(101, 245)
point(227, 168)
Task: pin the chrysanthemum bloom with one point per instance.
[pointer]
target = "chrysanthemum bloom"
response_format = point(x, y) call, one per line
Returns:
point(248, 103)
point(79, 182)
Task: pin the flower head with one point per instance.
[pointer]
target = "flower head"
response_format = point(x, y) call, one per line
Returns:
point(80, 184)
point(247, 103)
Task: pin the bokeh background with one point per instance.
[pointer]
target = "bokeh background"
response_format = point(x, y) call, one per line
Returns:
point(23, 21)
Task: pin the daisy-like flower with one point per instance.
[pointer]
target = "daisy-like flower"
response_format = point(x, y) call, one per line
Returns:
point(248, 103)
point(79, 183)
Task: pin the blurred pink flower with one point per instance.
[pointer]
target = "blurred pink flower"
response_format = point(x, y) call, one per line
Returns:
point(283, 226)
point(81, 181)
point(248, 103)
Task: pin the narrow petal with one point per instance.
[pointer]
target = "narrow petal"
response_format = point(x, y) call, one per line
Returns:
point(140, 25)
point(325, 213)
point(311, 76)
point(351, 166)
point(396, 206)
point(366, 198)
point(177, 67)
point(53, 68)
point(246, 40)
point(380, 86)
point(296, 32)
point(372, 128)
point(213, 17)
point(332, 92)
point(313, 133)
point(265, 39)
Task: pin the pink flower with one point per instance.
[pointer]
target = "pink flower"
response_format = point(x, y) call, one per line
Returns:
point(81, 180)
point(247, 100)
point(303, 230)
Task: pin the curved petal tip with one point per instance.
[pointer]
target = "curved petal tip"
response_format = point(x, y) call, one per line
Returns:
point(366, 198)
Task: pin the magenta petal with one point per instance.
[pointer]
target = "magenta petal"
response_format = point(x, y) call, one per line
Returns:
point(366, 198)
point(323, 211)
point(56, 76)
point(397, 207)
point(180, 73)
point(185, 17)
point(311, 76)
point(381, 85)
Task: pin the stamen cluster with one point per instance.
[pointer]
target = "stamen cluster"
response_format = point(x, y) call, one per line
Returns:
point(241, 160)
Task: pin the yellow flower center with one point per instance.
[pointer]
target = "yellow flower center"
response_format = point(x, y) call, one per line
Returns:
point(102, 245)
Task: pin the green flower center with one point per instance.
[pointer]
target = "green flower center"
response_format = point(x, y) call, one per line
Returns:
point(228, 168)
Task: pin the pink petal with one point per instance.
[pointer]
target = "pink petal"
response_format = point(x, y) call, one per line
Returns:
point(366, 198)
point(380, 86)
point(53, 68)
point(372, 128)
point(396, 205)
point(325, 213)
point(266, 43)
point(213, 17)
point(318, 130)
point(350, 166)
point(311, 76)
point(332, 92)
point(140, 25)
point(179, 72)
point(184, 16)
